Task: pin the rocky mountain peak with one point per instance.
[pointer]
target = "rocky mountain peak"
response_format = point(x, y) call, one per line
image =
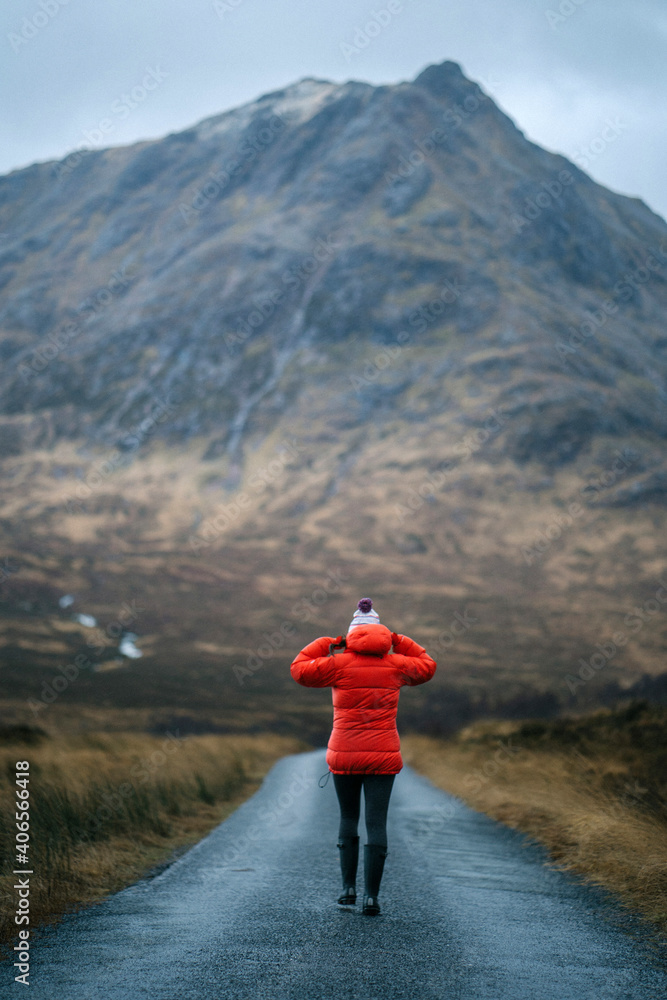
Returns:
point(447, 81)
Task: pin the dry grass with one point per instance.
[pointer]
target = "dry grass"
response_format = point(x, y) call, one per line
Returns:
point(106, 808)
point(133, 542)
point(591, 790)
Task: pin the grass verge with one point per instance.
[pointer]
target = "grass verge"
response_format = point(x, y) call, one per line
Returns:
point(592, 790)
point(107, 808)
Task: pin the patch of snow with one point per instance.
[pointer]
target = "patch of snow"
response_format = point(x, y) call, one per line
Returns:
point(127, 647)
point(296, 104)
point(86, 620)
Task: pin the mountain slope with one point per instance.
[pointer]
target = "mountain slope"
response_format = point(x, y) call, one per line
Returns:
point(342, 326)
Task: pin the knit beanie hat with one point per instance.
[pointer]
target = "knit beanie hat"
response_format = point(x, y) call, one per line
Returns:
point(364, 615)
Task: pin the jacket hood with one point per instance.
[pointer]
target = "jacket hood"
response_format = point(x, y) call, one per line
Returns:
point(369, 639)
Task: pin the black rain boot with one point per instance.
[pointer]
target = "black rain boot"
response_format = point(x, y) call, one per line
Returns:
point(374, 855)
point(349, 857)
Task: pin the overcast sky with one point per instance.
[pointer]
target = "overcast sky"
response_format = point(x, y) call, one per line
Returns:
point(587, 78)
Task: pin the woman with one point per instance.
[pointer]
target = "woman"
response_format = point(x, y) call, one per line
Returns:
point(364, 748)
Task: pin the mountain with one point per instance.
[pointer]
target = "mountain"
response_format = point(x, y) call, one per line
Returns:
point(342, 339)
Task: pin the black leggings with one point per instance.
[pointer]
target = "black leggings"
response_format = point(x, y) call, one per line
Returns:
point(377, 791)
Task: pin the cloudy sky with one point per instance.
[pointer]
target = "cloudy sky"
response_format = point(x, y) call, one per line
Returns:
point(587, 78)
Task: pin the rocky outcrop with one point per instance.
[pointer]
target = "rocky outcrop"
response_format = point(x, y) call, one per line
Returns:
point(207, 265)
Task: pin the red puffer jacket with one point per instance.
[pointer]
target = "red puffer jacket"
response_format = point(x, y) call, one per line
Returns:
point(365, 679)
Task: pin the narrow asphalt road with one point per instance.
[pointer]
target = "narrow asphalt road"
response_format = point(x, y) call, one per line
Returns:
point(470, 912)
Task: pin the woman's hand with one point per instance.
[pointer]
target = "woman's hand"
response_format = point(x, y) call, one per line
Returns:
point(337, 643)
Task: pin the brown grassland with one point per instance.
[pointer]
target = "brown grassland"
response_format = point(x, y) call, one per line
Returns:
point(108, 808)
point(592, 790)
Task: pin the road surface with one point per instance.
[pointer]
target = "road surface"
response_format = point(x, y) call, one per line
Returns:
point(470, 912)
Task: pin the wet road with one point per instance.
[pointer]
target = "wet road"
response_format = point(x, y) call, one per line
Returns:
point(470, 912)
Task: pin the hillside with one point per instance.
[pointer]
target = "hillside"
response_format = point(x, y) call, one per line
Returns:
point(343, 339)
